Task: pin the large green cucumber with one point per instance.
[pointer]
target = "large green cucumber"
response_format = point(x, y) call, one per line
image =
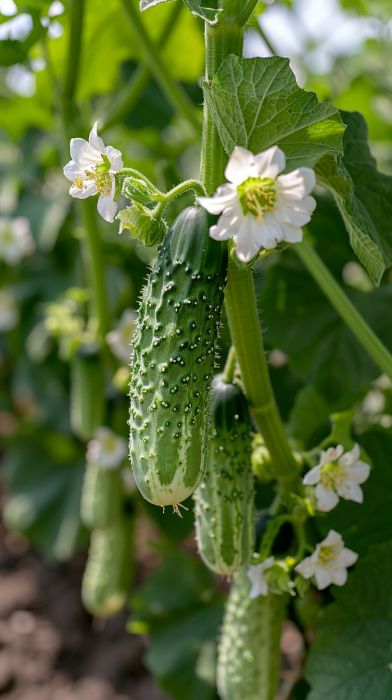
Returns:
point(174, 351)
point(107, 575)
point(87, 392)
point(225, 498)
point(102, 497)
point(248, 655)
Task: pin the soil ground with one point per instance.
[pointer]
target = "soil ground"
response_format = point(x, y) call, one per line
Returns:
point(50, 648)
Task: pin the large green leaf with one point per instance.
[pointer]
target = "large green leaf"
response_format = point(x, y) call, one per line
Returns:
point(209, 12)
point(351, 659)
point(363, 195)
point(256, 103)
point(44, 477)
point(181, 614)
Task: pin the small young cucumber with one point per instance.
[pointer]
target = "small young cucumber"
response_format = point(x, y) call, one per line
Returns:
point(102, 497)
point(173, 360)
point(107, 575)
point(225, 498)
point(87, 392)
point(248, 654)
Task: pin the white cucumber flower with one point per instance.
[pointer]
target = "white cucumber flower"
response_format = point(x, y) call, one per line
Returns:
point(329, 562)
point(119, 338)
point(92, 171)
point(338, 473)
point(16, 241)
point(9, 314)
point(107, 450)
point(259, 585)
point(259, 208)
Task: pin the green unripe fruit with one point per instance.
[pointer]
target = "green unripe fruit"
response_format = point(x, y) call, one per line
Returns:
point(108, 570)
point(248, 662)
point(102, 497)
point(173, 360)
point(87, 392)
point(225, 498)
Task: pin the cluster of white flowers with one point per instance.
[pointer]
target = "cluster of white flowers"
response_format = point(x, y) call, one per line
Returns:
point(338, 473)
point(16, 241)
point(259, 206)
point(119, 338)
point(106, 450)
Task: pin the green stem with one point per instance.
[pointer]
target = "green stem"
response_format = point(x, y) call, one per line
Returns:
point(140, 78)
point(173, 92)
point(180, 189)
point(344, 307)
point(229, 369)
point(264, 37)
point(96, 269)
point(248, 340)
point(94, 258)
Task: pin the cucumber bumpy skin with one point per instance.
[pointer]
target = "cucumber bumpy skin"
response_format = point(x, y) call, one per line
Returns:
point(248, 665)
point(225, 498)
point(174, 350)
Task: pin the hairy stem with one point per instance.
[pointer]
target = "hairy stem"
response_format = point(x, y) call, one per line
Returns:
point(140, 78)
point(344, 307)
point(173, 92)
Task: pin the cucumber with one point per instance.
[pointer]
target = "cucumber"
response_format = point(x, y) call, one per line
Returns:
point(108, 570)
point(102, 497)
point(87, 392)
point(248, 654)
point(174, 349)
point(225, 498)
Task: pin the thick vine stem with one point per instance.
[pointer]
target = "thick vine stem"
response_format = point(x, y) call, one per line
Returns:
point(173, 92)
point(344, 307)
point(248, 341)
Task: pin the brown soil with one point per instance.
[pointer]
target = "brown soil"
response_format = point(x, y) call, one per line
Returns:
point(50, 648)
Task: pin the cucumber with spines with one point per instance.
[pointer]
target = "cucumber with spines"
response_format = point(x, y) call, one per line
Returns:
point(87, 392)
point(174, 351)
point(248, 662)
point(108, 571)
point(225, 498)
point(102, 497)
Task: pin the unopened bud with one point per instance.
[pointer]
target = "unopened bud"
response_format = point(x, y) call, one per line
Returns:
point(147, 228)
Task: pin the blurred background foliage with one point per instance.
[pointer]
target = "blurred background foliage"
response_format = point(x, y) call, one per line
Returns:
point(342, 52)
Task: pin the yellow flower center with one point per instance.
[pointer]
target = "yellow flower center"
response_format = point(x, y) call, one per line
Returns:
point(331, 474)
point(257, 196)
point(109, 444)
point(326, 554)
point(99, 175)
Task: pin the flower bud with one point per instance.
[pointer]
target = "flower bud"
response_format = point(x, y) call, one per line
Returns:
point(148, 229)
point(138, 189)
point(261, 460)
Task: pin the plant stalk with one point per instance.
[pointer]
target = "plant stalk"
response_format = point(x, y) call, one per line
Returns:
point(173, 92)
point(344, 307)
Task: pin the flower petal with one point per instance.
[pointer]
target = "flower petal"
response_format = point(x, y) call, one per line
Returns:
point(242, 164)
point(350, 491)
point(291, 234)
point(72, 170)
point(333, 539)
point(223, 197)
point(107, 207)
point(351, 457)
point(83, 192)
point(115, 159)
point(269, 232)
point(297, 213)
point(306, 567)
point(270, 162)
point(326, 498)
point(323, 576)
point(246, 239)
point(298, 183)
point(339, 577)
point(358, 472)
point(83, 153)
point(95, 141)
point(312, 477)
point(348, 557)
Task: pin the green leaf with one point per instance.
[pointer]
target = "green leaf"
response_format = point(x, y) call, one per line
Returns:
point(370, 522)
point(256, 103)
point(43, 502)
point(363, 195)
point(207, 12)
point(182, 614)
point(351, 658)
